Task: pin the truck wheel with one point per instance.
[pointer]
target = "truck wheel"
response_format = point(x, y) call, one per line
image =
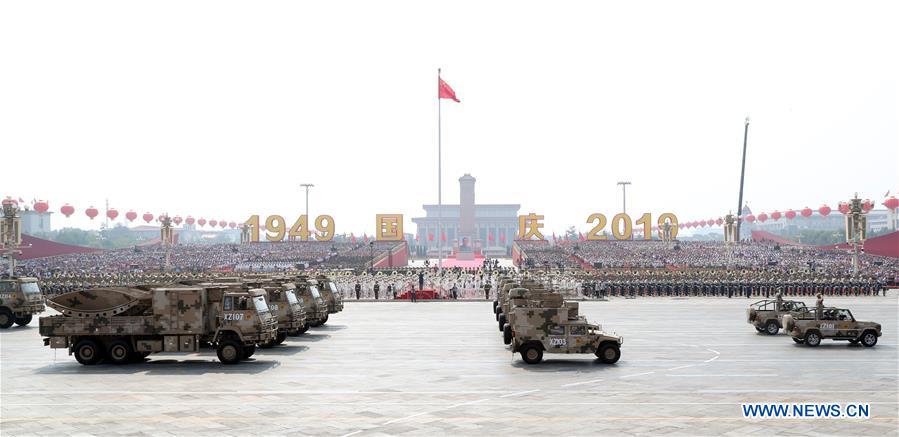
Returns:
point(324, 321)
point(812, 339)
point(869, 339)
point(798, 340)
point(6, 318)
point(24, 320)
point(532, 354)
point(119, 352)
point(88, 353)
point(771, 327)
point(502, 322)
point(229, 352)
point(267, 344)
point(248, 352)
point(303, 329)
point(281, 337)
point(759, 329)
point(609, 353)
point(507, 334)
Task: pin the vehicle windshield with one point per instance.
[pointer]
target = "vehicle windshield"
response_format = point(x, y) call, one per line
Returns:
point(261, 306)
point(292, 298)
point(31, 289)
point(315, 292)
point(333, 287)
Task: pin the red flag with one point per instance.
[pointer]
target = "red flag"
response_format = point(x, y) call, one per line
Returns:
point(502, 237)
point(490, 236)
point(444, 91)
point(442, 236)
point(580, 237)
point(430, 236)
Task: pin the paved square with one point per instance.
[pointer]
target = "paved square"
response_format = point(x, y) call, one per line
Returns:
point(442, 369)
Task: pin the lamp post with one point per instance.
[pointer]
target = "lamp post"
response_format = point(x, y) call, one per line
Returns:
point(856, 227)
point(371, 254)
point(742, 174)
point(307, 187)
point(624, 185)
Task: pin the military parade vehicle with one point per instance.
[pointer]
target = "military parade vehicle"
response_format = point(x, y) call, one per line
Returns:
point(316, 308)
point(20, 299)
point(329, 292)
point(550, 330)
point(522, 300)
point(285, 306)
point(127, 324)
point(767, 315)
point(810, 328)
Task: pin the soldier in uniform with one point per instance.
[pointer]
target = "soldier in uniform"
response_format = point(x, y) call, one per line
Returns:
point(819, 308)
point(358, 290)
point(377, 289)
point(487, 290)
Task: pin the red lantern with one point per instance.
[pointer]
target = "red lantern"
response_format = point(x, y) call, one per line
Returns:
point(147, 217)
point(10, 201)
point(775, 215)
point(806, 212)
point(213, 223)
point(750, 218)
point(719, 221)
point(111, 213)
point(891, 203)
point(41, 206)
point(177, 220)
point(222, 224)
point(131, 215)
point(67, 210)
point(790, 214)
point(232, 225)
point(843, 207)
point(201, 222)
point(189, 220)
point(867, 205)
point(824, 210)
point(762, 217)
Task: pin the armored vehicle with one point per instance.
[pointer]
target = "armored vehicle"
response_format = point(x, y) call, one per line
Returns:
point(767, 315)
point(128, 324)
point(833, 323)
point(285, 306)
point(549, 330)
point(503, 308)
point(20, 298)
point(522, 301)
point(331, 296)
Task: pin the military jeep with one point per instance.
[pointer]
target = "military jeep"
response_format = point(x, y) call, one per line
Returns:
point(20, 299)
point(766, 317)
point(548, 330)
point(833, 323)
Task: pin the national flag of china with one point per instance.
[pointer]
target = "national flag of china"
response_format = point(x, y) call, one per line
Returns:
point(444, 91)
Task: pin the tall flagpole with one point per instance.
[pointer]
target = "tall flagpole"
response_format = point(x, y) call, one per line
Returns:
point(439, 181)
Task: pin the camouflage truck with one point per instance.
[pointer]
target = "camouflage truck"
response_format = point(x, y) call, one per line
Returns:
point(316, 309)
point(767, 315)
point(550, 330)
point(522, 299)
point(20, 299)
point(530, 284)
point(810, 328)
point(285, 306)
point(128, 324)
point(329, 292)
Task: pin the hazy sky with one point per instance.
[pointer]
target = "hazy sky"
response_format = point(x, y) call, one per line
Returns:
point(221, 109)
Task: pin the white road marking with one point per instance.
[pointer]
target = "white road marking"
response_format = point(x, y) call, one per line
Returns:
point(637, 374)
point(682, 367)
point(519, 393)
point(725, 376)
point(582, 383)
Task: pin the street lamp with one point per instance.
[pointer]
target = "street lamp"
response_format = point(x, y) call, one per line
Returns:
point(742, 175)
point(371, 254)
point(624, 185)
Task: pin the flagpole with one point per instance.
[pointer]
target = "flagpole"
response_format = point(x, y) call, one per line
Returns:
point(439, 183)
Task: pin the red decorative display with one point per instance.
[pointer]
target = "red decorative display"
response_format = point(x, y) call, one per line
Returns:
point(147, 217)
point(843, 207)
point(41, 206)
point(750, 218)
point(131, 215)
point(213, 223)
point(762, 217)
point(190, 220)
point(177, 220)
point(112, 213)
point(891, 203)
point(201, 222)
point(790, 214)
point(775, 215)
point(806, 212)
point(824, 210)
point(67, 210)
point(232, 225)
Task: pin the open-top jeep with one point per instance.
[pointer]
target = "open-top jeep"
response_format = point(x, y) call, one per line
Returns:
point(833, 323)
point(767, 316)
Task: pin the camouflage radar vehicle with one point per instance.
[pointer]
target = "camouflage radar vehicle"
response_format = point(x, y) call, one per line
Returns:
point(834, 323)
point(767, 315)
point(316, 308)
point(128, 324)
point(550, 330)
point(20, 299)
point(285, 306)
point(522, 301)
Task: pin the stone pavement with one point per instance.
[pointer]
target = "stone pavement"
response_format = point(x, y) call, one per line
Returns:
point(442, 369)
